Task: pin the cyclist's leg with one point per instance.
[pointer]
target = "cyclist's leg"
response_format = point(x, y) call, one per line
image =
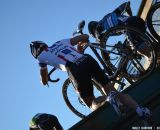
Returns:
point(84, 83)
point(98, 102)
point(85, 89)
point(99, 75)
point(80, 74)
point(101, 79)
point(108, 87)
point(124, 98)
point(87, 95)
point(118, 99)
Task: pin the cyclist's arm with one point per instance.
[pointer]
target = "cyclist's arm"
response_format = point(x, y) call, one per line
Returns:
point(43, 73)
point(80, 41)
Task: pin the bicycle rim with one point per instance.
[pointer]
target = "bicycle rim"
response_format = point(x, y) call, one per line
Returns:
point(73, 101)
point(153, 20)
point(142, 55)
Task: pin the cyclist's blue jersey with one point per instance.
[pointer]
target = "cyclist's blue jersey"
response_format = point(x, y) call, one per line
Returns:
point(111, 20)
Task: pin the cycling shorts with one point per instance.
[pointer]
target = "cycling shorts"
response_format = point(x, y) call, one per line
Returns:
point(83, 71)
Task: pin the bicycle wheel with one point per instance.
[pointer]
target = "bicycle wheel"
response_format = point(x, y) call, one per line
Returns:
point(127, 43)
point(153, 20)
point(73, 101)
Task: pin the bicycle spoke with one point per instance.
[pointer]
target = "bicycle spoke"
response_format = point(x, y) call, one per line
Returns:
point(138, 65)
point(155, 20)
point(118, 61)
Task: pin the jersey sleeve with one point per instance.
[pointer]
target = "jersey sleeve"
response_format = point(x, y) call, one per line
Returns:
point(42, 64)
point(41, 61)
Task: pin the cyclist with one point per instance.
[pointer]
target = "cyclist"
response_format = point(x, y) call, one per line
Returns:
point(81, 69)
point(120, 16)
point(117, 17)
point(43, 121)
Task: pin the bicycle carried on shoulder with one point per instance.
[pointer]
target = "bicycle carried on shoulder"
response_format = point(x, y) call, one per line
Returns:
point(123, 55)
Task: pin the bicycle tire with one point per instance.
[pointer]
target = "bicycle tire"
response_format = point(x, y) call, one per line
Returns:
point(77, 111)
point(153, 20)
point(123, 30)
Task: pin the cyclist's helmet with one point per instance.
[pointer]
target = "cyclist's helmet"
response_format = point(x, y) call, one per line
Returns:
point(37, 47)
point(92, 27)
point(38, 120)
point(43, 121)
point(33, 124)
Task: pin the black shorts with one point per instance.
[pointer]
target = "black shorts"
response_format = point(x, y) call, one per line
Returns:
point(83, 71)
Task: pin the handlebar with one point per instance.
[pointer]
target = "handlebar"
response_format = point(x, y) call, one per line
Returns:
point(49, 76)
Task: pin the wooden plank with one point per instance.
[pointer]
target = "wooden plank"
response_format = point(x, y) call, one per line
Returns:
point(144, 8)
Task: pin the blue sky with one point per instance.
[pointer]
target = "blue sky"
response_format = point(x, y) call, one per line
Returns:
point(22, 21)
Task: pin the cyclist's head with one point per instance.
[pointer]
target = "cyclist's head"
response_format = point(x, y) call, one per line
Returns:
point(42, 121)
point(37, 47)
point(37, 122)
point(92, 27)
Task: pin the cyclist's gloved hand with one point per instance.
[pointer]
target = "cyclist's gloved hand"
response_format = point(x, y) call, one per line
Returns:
point(81, 47)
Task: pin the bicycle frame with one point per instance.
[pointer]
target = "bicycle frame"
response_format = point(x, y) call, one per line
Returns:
point(111, 76)
point(95, 46)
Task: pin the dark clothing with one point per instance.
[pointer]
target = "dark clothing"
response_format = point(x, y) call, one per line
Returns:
point(136, 22)
point(44, 121)
point(83, 71)
point(116, 18)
